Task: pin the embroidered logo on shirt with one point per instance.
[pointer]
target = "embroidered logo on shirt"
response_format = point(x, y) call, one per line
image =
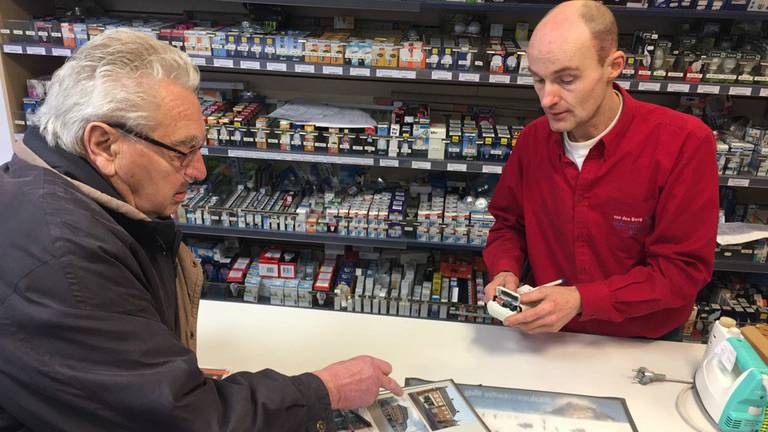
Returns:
point(628, 225)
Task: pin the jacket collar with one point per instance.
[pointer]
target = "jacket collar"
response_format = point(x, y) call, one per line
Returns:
point(67, 164)
point(35, 150)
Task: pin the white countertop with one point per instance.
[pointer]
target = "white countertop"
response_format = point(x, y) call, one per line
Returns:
point(250, 337)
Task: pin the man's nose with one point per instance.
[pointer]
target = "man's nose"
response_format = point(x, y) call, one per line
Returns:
point(550, 95)
point(196, 170)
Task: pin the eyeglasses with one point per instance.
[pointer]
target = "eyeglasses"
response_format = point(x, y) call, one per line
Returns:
point(185, 157)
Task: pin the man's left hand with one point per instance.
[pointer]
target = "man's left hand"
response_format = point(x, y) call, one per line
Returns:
point(554, 307)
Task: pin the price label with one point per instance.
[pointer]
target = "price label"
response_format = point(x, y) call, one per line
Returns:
point(525, 80)
point(5, 31)
point(492, 169)
point(710, 89)
point(30, 33)
point(12, 49)
point(624, 84)
point(469, 77)
point(241, 154)
point(360, 72)
point(304, 68)
point(19, 122)
point(198, 61)
point(385, 73)
point(35, 50)
point(204, 151)
point(62, 52)
point(442, 75)
point(649, 86)
point(421, 165)
point(389, 163)
point(18, 32)
point(456, 167)
point(740, 91)
point(223, 62)
point(248, 64)
point(406, 74)
point(738, 182)
point(683, 88)
point(350, 160)
point(280, 67)
point(501, 79)
point(763, 92)
point(333, 70)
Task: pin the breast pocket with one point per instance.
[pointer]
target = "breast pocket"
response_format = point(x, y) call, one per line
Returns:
point(627, 224)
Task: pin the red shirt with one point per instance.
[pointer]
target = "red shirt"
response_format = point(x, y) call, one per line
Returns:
point(634, 231)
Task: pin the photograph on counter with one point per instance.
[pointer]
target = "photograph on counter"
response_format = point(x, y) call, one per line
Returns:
point(437, 406)
point(508, 409)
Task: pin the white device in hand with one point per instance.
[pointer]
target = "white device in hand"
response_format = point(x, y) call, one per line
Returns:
point(504, 304)
point(507, 302)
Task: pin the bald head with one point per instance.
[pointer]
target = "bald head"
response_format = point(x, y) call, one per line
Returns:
point(593, 16)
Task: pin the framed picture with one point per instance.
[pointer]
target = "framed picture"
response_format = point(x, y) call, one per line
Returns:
point(508, 409)
point(436, 406)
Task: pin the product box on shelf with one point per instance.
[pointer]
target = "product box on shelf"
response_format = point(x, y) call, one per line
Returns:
point(269, 263)
point(412, 55)
point(385, 54)
point(752, 252)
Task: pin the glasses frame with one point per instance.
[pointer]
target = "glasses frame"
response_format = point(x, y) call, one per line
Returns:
point(186, 156)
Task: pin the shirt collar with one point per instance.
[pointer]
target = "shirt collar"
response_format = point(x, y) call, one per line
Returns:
point(609, 143)
point(616, 135)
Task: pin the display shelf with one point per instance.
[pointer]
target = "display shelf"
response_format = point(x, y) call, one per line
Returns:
point(320, 238)
point(744, 181)
point(741, 267)
point(487, 167)
point(291, 68)
point(292, 236)
point(514, 6)
point(374, 5)
point(507, 6)
point(453, 312)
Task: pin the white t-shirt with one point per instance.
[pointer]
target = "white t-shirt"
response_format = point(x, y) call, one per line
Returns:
point(578, 151)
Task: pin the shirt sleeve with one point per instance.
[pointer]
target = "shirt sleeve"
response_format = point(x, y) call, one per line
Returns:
point(505, 249)
point(680, 250)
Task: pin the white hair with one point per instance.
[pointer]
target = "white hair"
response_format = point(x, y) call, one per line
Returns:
point(113, 78)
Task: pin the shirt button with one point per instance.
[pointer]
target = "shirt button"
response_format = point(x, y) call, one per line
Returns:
point(191, 334)
point(194, 263)
point(320, 426)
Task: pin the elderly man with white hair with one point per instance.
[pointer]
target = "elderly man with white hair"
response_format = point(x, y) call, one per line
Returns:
point(98, 296)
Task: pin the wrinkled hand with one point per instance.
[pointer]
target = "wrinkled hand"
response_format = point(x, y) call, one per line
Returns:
point(355, 383)
point(554, 307)
point(505, 279)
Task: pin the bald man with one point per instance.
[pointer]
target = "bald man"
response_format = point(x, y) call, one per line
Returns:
point(617, 197)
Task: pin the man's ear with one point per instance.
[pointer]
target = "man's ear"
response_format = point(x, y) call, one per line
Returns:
point(101, 147)
point(615, 64)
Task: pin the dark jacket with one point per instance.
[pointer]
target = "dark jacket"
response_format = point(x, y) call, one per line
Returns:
point(90, 336)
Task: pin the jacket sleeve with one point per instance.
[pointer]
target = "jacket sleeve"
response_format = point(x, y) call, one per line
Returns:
point(505, 249)
point(69, 363)
point(679, 251)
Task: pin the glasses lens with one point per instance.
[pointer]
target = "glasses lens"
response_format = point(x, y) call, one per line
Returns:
point(186, 161)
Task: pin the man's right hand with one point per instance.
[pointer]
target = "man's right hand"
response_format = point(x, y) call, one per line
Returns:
point(355, 383)
point(507, 280)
